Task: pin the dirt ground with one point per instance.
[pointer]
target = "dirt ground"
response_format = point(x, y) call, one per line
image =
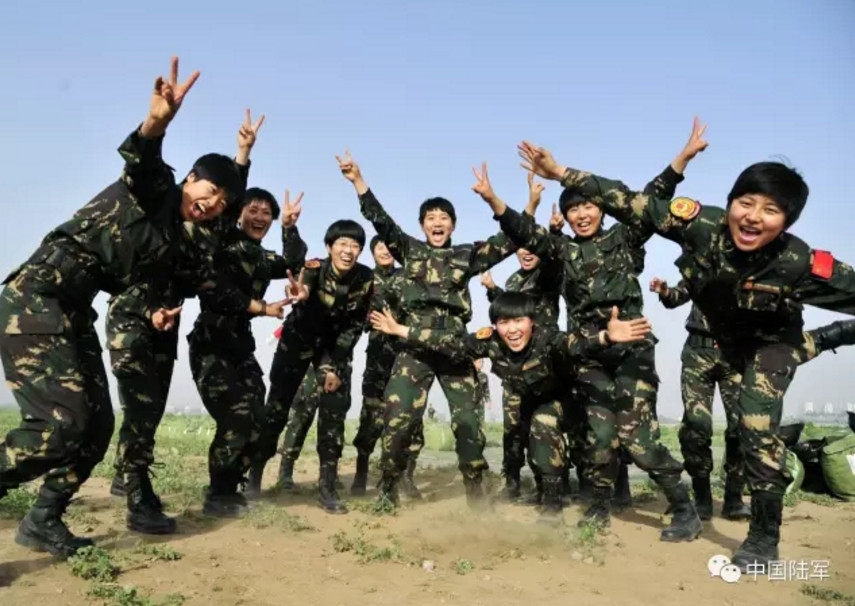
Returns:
point(433, 552)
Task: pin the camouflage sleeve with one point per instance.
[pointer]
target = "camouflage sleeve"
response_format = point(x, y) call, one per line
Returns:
point(455, 345)
point(675, 296)
point(637, 209)
point(525, 233)
point(485, 255)
point(494, 292)
point(345, 343)
point(243, 169)
point(146, 175)
point(293, 256)
point(829, 285)
point(551, 277)
point(392, 235)
point(663, 187)
point(575, 346)
point(199, 247)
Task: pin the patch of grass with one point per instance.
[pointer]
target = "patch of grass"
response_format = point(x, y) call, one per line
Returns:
point(341, 543)
point(16, 504)
point(163, 552)
point(95, 564)
point(112, 594)
point(268, 516)
point(826, 500)
point(824, 594)
point(374, 507)
point(366, 551)
point(78, 516)
point(462, 566)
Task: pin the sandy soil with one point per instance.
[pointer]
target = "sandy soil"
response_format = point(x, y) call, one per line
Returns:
point(495, 558)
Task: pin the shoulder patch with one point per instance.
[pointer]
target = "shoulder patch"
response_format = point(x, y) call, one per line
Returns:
point(685, 208)
point(823, 264)
point(484, 333)
point(313, 264)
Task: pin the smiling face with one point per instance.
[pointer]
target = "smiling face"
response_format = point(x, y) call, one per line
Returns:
point(528, 260)
point(382, 256)
point(754, 221)
point(343, 253)
point(255, 219)
point(515, 332)
point(201, 200)
point(584, 219)
point(438, 227)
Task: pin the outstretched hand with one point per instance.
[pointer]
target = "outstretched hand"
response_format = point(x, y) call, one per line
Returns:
point(164, 319)
point(385, 322)
point(556, 221)
point(296, 291)
point(535, 189)
point(539, 160)
point(166, 100)
point(248, 131)
point(624, 331)
point(291, 211)
point(696, 143)
point(482, 186)
point(487, 280)
point(659, 286)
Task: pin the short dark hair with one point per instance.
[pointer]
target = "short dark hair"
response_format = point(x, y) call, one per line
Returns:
point(437, 204)
point(777, 181)
point(256, 194)
point(375, 240)
point(512, 305)
point(569, 198)
point(345, 228)
point(223, 172)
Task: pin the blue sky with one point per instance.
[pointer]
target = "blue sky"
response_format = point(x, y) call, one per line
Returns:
point(422, 91)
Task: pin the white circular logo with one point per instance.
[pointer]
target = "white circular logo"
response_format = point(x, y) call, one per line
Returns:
point(716, 563)
point(730, 573)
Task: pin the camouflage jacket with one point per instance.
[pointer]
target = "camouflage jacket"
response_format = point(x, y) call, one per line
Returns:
point(248, 266)
point(543, 283)
point(746, 297)
point(128, 234)
point(599, 272)
point(538, 373)
point(696, 323)
point(387, 292)
point(435, 290)
point(333, 318)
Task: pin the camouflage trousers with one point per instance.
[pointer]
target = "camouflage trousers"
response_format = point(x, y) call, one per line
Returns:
point(406, 400)
point(232, 389)
point(57, 377)
point(331, 409)
point(514, 433)
point(619, 388)
point(767, 371)
point(379, 359)
point(143, 374)
point(547, 445)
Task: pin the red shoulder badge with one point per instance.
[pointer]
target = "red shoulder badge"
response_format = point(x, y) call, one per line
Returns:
point(313, 264)
point(484, 333)
point(685, 208)
point(823, 264)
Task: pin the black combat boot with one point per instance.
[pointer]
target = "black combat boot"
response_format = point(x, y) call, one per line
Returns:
point(685, 523)
point(703, 498)
point(764, 531)
point(388, 491)
point(222, 499)
point(252, 490)
point(734, 508)
point(622, 496)
point(535, 497)
point(285, 480)
point(328, 497)
point(145, 511)
point(117, 486)
point(511, 491)
point(474, 492)
point(42, 529)
point(599, 512)
point(360, 479)
point(552, 503)
point(411, 491)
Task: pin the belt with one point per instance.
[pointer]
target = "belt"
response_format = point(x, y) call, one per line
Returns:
point(79, 283)
point(701, 341)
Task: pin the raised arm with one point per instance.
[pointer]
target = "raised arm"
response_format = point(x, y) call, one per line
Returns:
point(455, 345)
point(493, 291)
point(575, 346)
point(294, 249)
point(396, 240)
point(830, 284)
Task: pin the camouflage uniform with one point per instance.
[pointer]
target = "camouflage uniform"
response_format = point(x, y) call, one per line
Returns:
point(753, 303)
point(435, 294)
point(128, 232)
point(618, 385)
point(329, 323)
point(544, 284)
point(222, 358)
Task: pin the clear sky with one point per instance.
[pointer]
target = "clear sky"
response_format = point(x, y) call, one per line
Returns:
point(420, 92)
